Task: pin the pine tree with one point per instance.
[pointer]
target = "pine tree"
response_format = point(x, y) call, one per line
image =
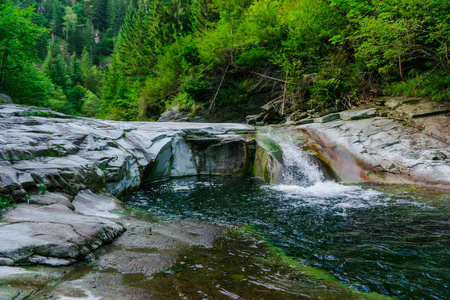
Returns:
point(54, 66)
point(75, 74)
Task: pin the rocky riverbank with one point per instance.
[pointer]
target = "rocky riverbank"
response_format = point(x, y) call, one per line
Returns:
point(58, 166)
point(398, 141)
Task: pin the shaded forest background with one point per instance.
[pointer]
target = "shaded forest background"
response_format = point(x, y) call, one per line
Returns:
point(131, 60)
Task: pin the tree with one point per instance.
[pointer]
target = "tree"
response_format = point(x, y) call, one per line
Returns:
point(54, 66)
point(18, 36)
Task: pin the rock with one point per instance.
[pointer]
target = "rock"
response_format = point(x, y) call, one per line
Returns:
point(298, 115)
point(51, 198)
point(408, 110)
point(268, 163)
point(304, 121)
point(395, 102)
point(380, 150)
point(55, 160)
point(6, 262)
point(5, 99)
point(54, 232)
point(50, 261)
point(358, 114)
point(89, 204)
point(267, 107)
point(260, 124)
point(327, 118)
point(324, 112)
point(19, 283)
point(174, 115)
point(252, 119)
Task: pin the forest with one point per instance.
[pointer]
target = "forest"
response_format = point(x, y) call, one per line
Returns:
point(133, 59)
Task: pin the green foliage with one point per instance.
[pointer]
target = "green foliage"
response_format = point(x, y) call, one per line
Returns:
point(18, 37)
point(54, 66)
point(209, 53)
point(6, 201)
point(91, 105)
point(42, 188)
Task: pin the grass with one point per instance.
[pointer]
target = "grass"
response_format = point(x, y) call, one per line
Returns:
point(6, 201)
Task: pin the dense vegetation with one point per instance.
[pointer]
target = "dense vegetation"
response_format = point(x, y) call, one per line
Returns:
point(113, 59)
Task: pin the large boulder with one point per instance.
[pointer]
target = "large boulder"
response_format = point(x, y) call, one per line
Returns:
point(268, 163)
point(380, 150)
point(5, 99)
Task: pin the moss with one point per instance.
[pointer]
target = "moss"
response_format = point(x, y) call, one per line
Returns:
point(272, 146)
point(277, 258)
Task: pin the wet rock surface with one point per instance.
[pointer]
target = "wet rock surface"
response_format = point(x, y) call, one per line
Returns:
point(381, 150)
point(59, 164)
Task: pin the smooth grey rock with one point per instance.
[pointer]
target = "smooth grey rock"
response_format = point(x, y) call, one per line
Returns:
point(51, 198)
point(252, 119)
point(381, 149)
point(76, 158)
point(408, 110)
point(6, 262)
point(5, 99)
point(90, 204)
point(260, 124)
point(54, 232)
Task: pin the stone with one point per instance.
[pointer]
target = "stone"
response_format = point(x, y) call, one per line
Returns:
point(5, 99)
point(380, 150)
point(260, 124)
point(298, 115)
point(55, 160)
point(327, 118)
point(418, 109)
point(53, 232)
point(89, 204)
point(268, 163)
point(50, 261)
point(51, 198)
point(252, 119)
point(304, 121)
point(267, 107)
point(358, 114)
point(173, 114)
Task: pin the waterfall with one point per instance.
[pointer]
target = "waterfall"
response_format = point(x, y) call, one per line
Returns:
point(298, 167)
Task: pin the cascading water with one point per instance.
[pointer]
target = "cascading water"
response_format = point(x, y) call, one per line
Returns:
point(388, 240)
point(298, 168)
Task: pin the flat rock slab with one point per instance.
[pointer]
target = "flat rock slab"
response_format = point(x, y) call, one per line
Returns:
point(418, 109)
point(358, 114)
point(58, 165)
point(20, 283)
point(381, 150)
point(44, 150)
point(143, 250)
point(54, 234)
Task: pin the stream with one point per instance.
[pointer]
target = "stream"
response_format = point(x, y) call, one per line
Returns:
point(389, 240)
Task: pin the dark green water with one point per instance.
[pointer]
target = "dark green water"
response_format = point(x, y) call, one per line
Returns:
point(382, 239)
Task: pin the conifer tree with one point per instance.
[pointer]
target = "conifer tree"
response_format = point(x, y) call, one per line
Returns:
point(54, 66)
